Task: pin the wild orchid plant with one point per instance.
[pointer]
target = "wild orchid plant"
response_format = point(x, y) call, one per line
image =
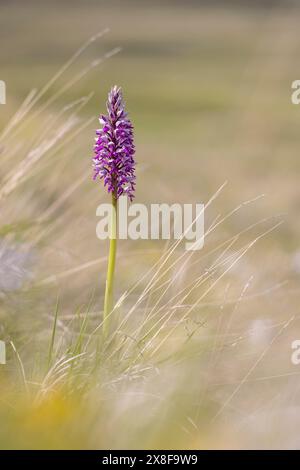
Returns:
point(114, 163)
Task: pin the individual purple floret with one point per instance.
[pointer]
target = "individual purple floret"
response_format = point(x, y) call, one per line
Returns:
point(114, 148)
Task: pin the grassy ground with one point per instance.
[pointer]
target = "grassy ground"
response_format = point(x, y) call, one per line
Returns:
point(199, 355)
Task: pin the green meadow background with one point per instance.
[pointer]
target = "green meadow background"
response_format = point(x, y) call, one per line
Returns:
point(208, 88)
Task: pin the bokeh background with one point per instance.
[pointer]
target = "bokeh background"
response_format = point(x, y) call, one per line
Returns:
point(208, 88)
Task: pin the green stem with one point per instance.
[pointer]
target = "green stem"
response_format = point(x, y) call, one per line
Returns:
point(108, 299)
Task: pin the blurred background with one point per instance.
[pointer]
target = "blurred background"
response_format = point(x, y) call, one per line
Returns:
point(208, 88)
